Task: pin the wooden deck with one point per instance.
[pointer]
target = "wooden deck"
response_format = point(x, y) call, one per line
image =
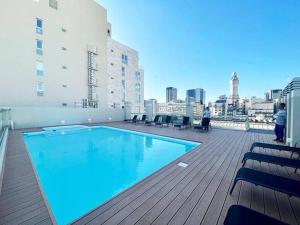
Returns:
point(197, 194)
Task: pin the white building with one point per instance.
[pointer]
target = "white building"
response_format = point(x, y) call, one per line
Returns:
point(219, 106)
point(150, 108)
point(55, 64)
point(173, 108)
point(260, 110)
point(125, 78)
point(233, 89)
point(53, 53)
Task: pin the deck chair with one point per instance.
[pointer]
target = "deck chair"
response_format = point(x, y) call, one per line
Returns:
point(134, 119)
point(143, 119)
point(185, 122)
point(282, 161)
point(165, 121)
point(275, 147)
point(274, 182)
point(240, 215)
point(156, 119)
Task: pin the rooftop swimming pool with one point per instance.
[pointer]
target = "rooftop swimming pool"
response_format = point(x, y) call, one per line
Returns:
point(79, 169)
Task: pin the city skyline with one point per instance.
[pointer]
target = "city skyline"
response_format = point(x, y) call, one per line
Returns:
point(256, 39)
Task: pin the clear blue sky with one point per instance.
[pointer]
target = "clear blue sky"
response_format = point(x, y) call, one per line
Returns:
point(199, 43)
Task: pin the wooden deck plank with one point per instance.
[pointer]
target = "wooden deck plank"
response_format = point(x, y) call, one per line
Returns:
point(217, 203)
point(197, 194)
point(21, 199)
point(179, 210)
point(164, 196)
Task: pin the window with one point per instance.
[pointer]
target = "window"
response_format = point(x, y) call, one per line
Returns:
point(40, 88)
point(39, 47)
point(63, 48)
point(39, 26)
point(137, 87)
point(123, 84)
point(124, 59)
point(39, 68)
point(123, 71)
point(64, 67)
point(63, 30)
point(53, 4)
point(137, 76)
point(112, 92)
point(138, 98)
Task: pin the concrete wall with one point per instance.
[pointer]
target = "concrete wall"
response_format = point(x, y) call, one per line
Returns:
point(28, 117)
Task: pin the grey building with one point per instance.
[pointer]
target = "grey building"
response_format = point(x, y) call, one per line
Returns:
point(171, 94)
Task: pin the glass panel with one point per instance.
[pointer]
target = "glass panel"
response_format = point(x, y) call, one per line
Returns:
point(39, 68)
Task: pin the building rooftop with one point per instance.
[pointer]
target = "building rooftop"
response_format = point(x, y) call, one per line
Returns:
point(197, 194)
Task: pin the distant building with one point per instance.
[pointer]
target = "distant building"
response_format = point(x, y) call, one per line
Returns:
point(172, 108)
point(233, 89)
point(195, 96)
point(171, 94)
point(260, 110)
point(150, 108)
point(125, 82)
point(219, 106)
point(267, 96)
point(275, 94)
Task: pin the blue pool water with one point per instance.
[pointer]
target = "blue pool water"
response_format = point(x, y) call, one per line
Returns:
point(80, 169)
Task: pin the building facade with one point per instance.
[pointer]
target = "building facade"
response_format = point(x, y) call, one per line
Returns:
point(233, 89)
point(219, 106)
point(171, 94)
point(53, 53)
point(150, 108)
point(195, 95)
point(172, 108)
point(125, 82)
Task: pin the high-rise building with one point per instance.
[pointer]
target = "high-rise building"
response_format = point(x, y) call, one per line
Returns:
point(171, 94)
point(195, 96)
point(150, 108)
point(125, 77)
point(267, 96)
point(233, 89)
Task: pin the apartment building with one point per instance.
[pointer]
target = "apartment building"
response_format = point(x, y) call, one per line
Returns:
point(125, 78)
point(53, 53)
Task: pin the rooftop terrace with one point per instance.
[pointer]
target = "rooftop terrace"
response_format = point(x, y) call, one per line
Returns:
point(197, 194)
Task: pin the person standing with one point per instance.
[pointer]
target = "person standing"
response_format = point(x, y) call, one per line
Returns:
point(280, 117)
point(206, 118)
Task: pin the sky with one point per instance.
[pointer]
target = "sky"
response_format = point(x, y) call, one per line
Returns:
point(198, 43)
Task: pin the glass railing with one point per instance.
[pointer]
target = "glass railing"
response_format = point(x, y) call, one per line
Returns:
point(5, 119)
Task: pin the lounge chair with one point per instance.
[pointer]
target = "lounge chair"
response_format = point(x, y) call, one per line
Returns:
point(156, 119)
point(165, 121)
point(240, 215)
point(275, 147)
point(143, 119)
point(134, 119)
point(205, 125)
point(277, 183)
point(282, 161)
point(184, 123)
